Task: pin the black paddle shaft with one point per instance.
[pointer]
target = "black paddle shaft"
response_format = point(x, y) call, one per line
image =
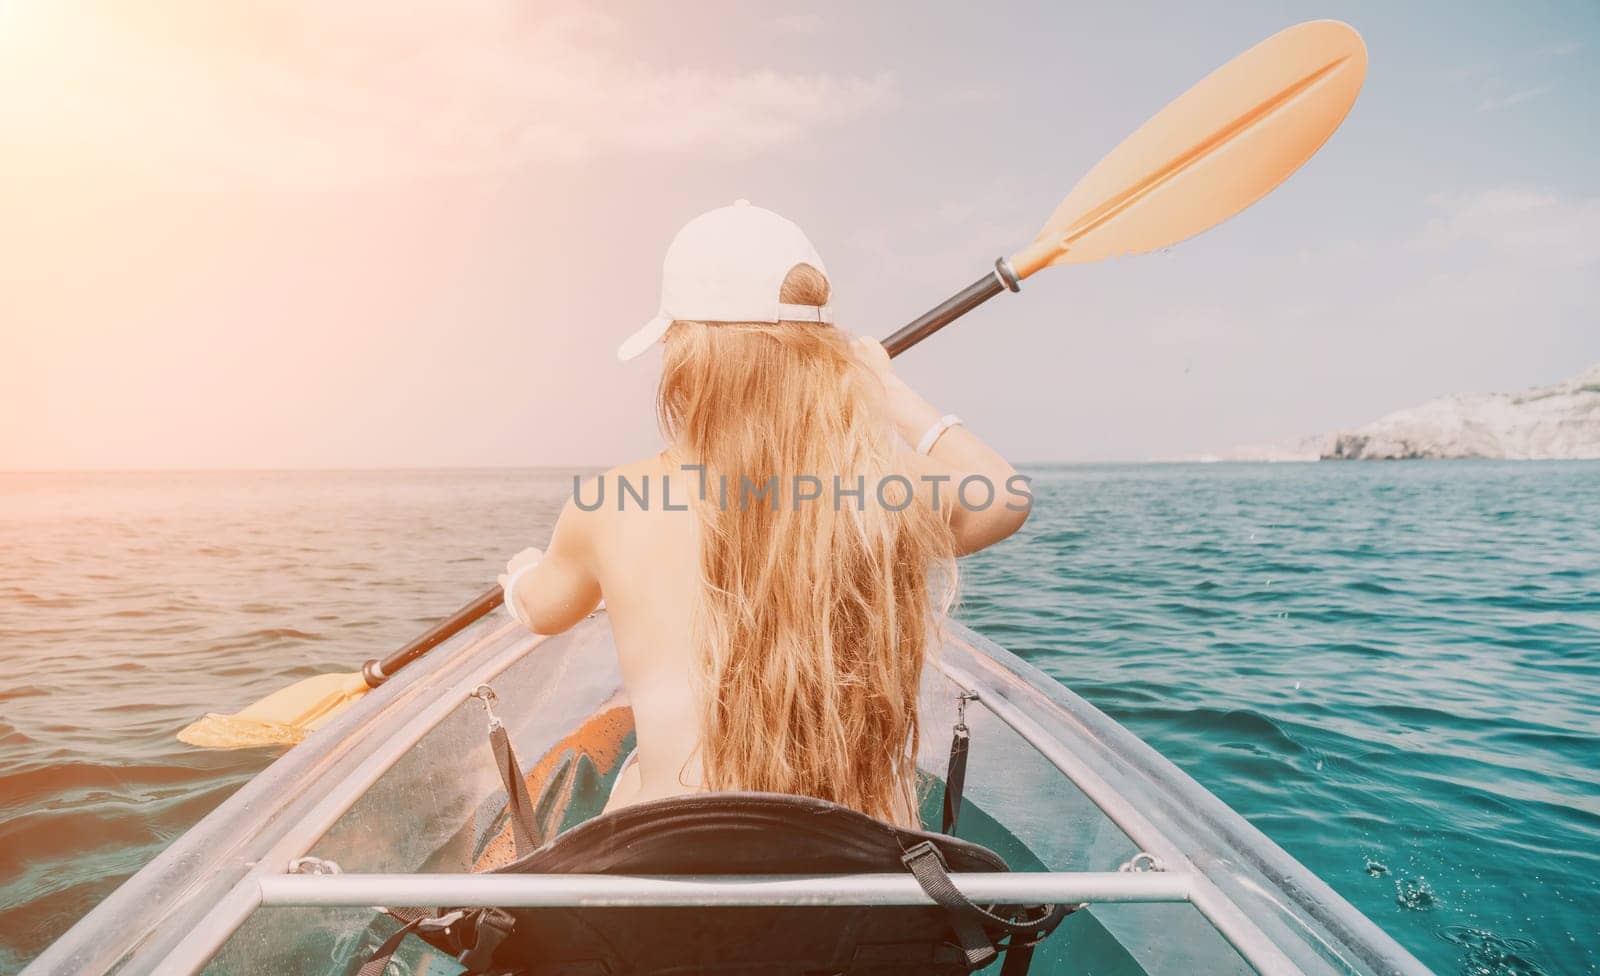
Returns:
point(1002, 278)
point(376, 672)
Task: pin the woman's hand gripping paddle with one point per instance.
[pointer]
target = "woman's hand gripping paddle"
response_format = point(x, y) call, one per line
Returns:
point(1218, 148)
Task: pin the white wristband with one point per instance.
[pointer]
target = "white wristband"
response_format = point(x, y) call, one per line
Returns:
point(935, 432)
point(509, 589)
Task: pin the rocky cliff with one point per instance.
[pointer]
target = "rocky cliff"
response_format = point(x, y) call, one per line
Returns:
point(1553, 422)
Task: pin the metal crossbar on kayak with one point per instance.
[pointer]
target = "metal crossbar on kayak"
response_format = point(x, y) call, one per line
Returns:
point(617, 891)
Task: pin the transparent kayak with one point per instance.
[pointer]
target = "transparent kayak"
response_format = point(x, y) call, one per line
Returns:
point(398, 802)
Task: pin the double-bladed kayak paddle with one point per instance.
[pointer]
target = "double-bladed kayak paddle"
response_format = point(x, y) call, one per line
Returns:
point(1219, 147)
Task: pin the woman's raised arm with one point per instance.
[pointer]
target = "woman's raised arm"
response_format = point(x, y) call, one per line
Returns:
point(551, 591)
point(964, 478)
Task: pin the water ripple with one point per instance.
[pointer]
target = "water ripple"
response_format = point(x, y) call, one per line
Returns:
point(1393, 670)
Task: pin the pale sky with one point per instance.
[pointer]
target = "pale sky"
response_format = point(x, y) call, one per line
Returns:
point(383, 233)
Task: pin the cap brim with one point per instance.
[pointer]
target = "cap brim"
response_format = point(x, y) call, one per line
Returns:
point(646, 337)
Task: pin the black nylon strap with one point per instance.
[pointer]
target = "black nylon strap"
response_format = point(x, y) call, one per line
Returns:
point(1018, 960)
point(928, 867)
point(972, 922)
point(955, 778)
point(519, 806)
point(449, 930)
point(378, 962)
point(408, 915)
point(490, 927)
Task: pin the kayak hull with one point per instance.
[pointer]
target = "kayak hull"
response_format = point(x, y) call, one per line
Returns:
point(405, 783)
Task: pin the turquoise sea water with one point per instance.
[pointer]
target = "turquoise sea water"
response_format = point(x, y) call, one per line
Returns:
point(1392, 669)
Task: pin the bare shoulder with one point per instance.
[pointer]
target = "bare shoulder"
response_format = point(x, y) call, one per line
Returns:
point(648, 484)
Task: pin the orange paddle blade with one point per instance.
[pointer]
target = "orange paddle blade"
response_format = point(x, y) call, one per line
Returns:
point(282, 718)
point(1221, 146)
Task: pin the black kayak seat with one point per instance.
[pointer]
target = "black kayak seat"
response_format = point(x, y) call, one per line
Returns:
point(749, 834)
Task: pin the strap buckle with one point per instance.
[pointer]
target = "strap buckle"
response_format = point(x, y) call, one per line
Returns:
point(486, 694)
point(914, 855)
point(491, 927)
point(962, 699)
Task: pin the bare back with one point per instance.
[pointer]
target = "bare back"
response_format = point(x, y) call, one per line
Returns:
point(646, 558)
point(641, 552)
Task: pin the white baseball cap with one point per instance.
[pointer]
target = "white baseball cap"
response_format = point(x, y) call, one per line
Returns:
point(728, 265)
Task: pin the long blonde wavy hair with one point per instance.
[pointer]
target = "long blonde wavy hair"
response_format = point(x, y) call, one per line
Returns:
point(813, 619)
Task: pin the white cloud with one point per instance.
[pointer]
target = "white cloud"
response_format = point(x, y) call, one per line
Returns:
point(1520, 222)
point(1496, 102)
point(307, 91)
